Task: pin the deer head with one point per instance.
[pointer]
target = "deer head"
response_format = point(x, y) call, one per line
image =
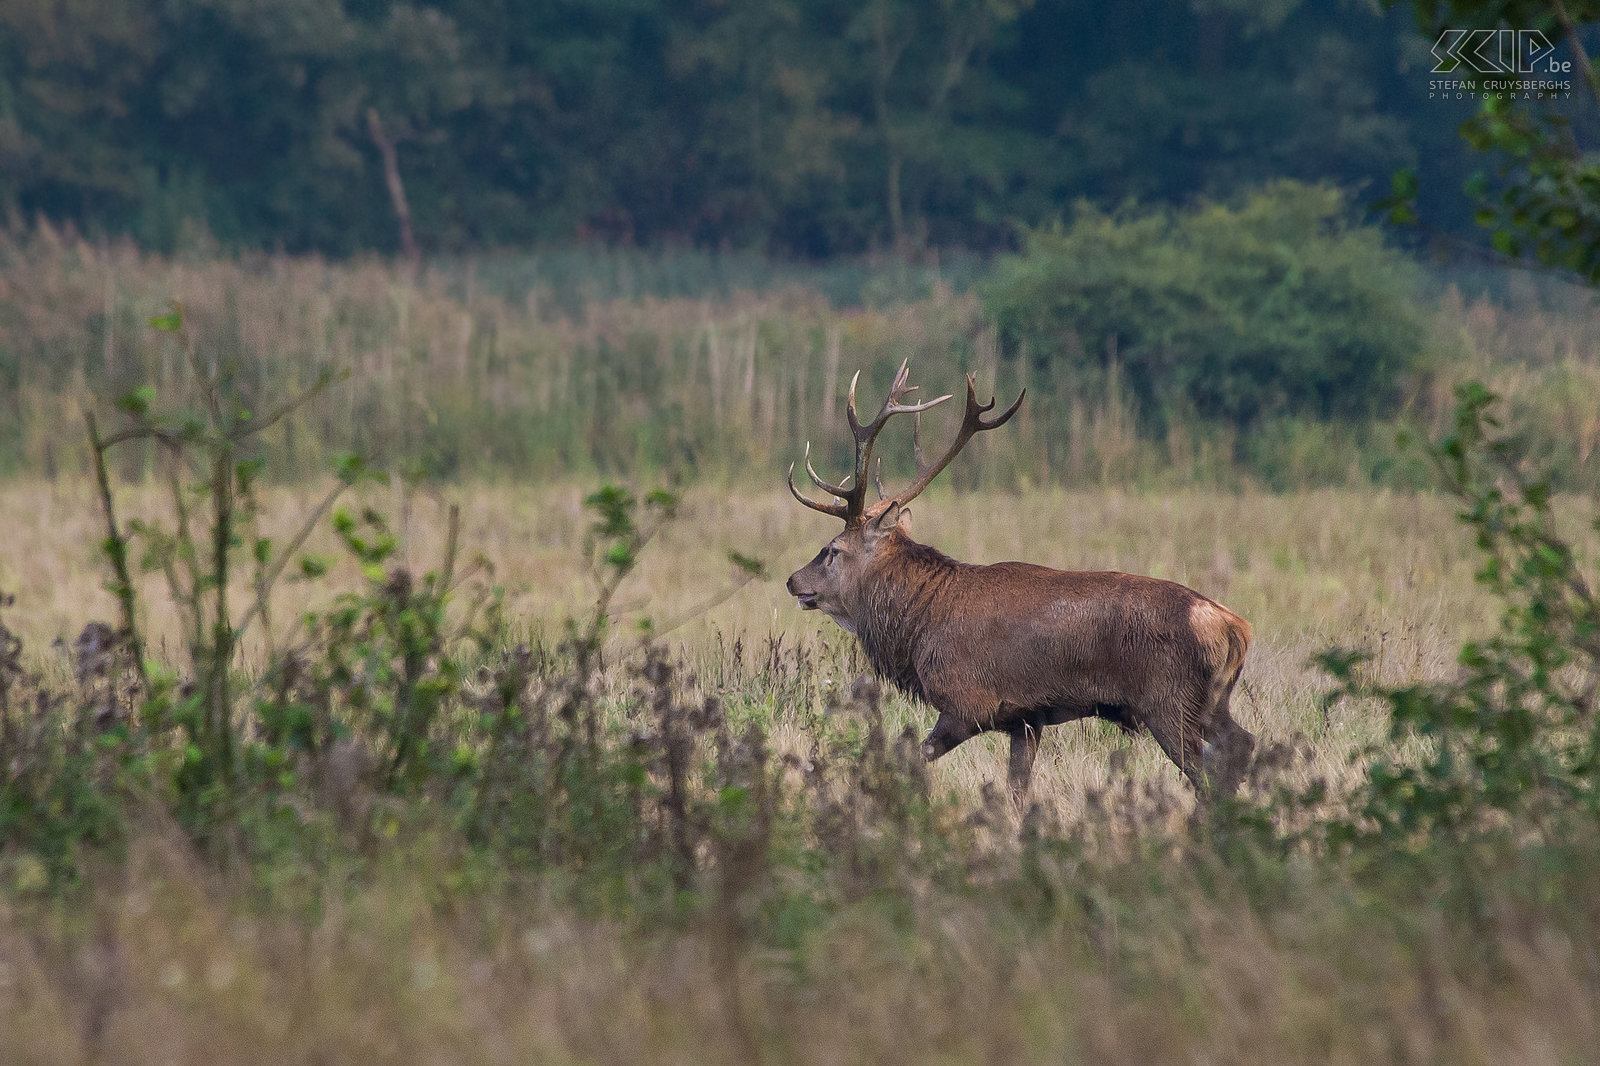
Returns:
point(831, 581)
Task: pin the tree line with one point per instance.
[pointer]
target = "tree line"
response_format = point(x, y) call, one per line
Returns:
point(807, 128)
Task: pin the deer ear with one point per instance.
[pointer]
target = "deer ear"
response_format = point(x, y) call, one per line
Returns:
point(894, 516)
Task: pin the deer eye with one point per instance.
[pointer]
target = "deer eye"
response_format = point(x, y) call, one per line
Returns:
point(831, 554)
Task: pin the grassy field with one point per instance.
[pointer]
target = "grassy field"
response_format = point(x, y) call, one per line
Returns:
point(172, 969)
point(741, 864)
point(1377, 570)
point(397, 958)
point(596, 367)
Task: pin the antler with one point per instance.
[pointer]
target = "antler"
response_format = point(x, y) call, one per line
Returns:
point(972, 423)
point(853, 497)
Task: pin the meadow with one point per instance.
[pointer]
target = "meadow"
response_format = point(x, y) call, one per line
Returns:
point(1392, 572)
point(1137, 949)
point(708, 841)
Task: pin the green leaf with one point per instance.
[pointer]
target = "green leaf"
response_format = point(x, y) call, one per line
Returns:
point(138, 401)
point(247, 471)
point(170, 322)
point(733, 798)
point(663, 501)
point(615, 506)
point(748, 564)
point(349, 466)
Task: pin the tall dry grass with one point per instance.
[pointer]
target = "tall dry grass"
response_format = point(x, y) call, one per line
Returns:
point(166, 963)
point(452, 377)
point(1387, 571)
point(401, 956)
point(458, 377)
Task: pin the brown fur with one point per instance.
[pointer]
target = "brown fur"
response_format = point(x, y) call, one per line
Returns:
point(1015, 647)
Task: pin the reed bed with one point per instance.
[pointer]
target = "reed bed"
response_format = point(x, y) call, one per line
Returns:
point(483, 371)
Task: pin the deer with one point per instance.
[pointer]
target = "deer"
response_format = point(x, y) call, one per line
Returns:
point(1013, 647)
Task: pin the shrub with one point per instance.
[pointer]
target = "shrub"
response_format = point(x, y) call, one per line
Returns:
point(1513, 742)
point(1277, 305)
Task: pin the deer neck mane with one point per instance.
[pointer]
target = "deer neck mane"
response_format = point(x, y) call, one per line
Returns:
point(896, 604)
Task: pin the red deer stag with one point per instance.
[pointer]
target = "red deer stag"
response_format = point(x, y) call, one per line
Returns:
point(1015, 647)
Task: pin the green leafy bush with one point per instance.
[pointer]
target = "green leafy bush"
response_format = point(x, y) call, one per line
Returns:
point(64, 758)
point(1277, 305)
point(1512, 744)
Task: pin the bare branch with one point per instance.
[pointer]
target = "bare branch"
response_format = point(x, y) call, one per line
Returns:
point(270, 578)
point(117, 551)
point(306, 395)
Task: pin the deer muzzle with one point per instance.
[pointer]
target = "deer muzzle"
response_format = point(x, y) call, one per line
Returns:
point(807, 600)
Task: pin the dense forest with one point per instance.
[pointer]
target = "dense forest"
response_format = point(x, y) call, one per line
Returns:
point(803, 128)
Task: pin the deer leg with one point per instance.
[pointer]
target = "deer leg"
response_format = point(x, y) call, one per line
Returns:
point(1024, 746)
point(1181, 741)
point(948, 731)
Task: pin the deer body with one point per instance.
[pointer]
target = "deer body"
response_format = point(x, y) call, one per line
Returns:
point(1015, 647)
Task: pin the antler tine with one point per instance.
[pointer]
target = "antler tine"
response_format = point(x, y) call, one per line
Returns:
point(852, 499)
point(837, 491)
point(850, 408)
point(864, 434)
point(972, 423)
point(1005, 416)
point(877, 478)
point(916, 408)
point(837, 510)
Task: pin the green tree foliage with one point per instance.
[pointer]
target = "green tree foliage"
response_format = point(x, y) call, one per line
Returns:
point(811, 127)
point(1543, 196)
point(1513, 744)
point(1277, 305)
